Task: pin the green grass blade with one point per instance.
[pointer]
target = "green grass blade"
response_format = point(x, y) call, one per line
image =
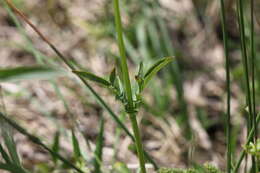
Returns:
point(12, 168)
point(25, 73)
point(99, 148)
point(56, 146)
point(93, 77)
point(37, 141)
point(156, 68)
point(4, 154)
point(11, 146)
point(76, 147)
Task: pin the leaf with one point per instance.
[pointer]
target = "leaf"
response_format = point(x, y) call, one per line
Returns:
point(76, 148)
point(12, 168)
point(92, 77)
point(99, 147)
point(155, 68)
point(4, 154)
point(112, 76)
point(56, 146)
point(11, 146)
point(25, 73)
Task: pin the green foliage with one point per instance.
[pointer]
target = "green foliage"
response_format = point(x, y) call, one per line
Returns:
point(23, 73)
point(253, 148)
point(93, 77)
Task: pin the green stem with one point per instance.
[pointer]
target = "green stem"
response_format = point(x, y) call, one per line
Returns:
point(138, 142)
point(247, 76)
point(127, 85)
point(228, 121)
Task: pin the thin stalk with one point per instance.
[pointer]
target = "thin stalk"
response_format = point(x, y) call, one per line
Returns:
point(247, 76)
point(37, 141)
point(228, 119)
point(249, 139)
point(71, 67)
point(252, 45)
point(252, 40)
point(127, 84)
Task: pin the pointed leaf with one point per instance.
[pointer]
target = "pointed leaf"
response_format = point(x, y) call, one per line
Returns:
point(56, 146)
point(12, 168)
point(76, 148)
point(155, 68)
point(92, 77)
point(11, 146)
point(99, 147)
point(25, 73)
point(120, 167)
point(4, 154)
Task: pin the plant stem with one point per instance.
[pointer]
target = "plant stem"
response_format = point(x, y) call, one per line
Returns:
point(127, 85)
point(228, 119)
point(247, 76)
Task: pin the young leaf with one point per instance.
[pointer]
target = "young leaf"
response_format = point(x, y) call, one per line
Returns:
point(76, 148)
point(112, 76)
point(92, 77)
point(155, 68)
point(4, 154)
point(33, 72)
point(11, 146)
point(99, 147)
point(56, 146)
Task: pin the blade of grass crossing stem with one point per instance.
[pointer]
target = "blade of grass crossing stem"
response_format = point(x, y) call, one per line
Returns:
point(37, 141)
point(249, 139)
point(228, 82)
point(127, 85)
point(95, 94)
point(99, 148)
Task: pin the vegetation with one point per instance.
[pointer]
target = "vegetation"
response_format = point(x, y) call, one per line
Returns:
point(142, 39)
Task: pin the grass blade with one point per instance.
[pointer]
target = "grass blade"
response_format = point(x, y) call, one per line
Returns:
point(4, 154)
point(23, 73)
point(12, 168)
point(56, 146)
point(99, 148)
point(76, 147)
point(37, 141)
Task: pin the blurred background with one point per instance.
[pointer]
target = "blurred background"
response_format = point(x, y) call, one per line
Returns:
point(183, 112)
